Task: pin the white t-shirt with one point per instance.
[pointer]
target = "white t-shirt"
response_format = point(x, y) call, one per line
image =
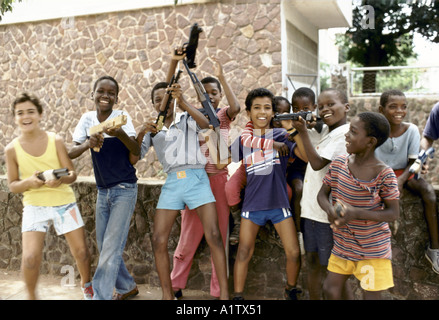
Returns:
point(331, 145)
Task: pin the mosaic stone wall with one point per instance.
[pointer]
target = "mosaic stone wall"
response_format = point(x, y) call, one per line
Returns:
point(59, 60)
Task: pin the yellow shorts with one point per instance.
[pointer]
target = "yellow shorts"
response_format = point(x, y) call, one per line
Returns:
point(374, 274)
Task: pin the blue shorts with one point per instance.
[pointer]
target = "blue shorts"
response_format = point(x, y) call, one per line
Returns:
point(261, 217)
point(189, 187)
point(317, 237)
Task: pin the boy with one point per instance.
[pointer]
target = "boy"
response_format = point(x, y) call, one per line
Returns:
point(117, 189)
point(366, 192)
point(333, 107)
point(191, 228)
point(266, 195)
point(178, 150)
point(45, 201)
point(399, 152)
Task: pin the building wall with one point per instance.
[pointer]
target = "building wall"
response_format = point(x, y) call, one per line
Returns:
point(60, 59)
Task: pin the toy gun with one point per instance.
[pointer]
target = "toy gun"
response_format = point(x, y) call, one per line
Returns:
point(203, 97)
point(422, 157)
point(53, 174)
point(306, 115)
point(164, 107)
point(113, 123)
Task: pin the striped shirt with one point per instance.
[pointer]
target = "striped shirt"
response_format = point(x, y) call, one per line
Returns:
point(361, 239)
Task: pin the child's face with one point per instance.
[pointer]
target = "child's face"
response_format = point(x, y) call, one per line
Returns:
point(395, 109)
point(332, 111)
point(356, 138)
point(27, 117)
point(158, 96)
point(303, 104)
point(214, 93)
point(105, 95)
point(261, 112)
point(282, 107)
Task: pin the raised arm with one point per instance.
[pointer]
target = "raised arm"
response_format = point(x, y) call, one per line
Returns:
point(232, 100)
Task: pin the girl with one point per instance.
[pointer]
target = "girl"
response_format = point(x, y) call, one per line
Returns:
point(45, 202)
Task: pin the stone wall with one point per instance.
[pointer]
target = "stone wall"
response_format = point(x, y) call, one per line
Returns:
point(413, 276)
point(59, 60)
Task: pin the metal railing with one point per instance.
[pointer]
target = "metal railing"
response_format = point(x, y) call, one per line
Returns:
point(412, 80)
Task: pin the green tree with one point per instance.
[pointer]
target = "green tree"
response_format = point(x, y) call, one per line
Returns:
point(382, 33)
point(5, 6)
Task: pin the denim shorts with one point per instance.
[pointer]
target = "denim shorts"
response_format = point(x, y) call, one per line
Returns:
point(189, 187)
point(317, 237)
point(65, 218)
point(263, 216)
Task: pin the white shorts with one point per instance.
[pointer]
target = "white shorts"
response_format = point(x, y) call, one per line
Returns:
point(65, 218)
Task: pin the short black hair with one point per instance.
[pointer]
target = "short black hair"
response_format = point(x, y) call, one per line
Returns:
point(341, 95)
point(376, 125)
point(304, 92)
point(278, 99)
point(160, 85)
point(212, 80)
point(386, 94)
point(107, 78)
point(24, 97)
point(256, 93)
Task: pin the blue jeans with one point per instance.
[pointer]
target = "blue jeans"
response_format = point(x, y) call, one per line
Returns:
point(114, 209)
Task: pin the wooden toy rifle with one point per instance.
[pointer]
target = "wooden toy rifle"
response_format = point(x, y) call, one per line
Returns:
point(112, 123)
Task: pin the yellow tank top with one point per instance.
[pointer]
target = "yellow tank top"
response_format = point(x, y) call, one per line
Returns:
point(28, 164)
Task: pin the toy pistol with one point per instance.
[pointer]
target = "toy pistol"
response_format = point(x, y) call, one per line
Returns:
point(112, 123)
point(53, 174)
point(422, 157)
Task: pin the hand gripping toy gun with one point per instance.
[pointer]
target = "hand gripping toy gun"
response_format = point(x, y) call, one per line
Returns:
point(53, 174)
point(422, 157)
point(113, 123)
point(203, 97)
point(164, 107)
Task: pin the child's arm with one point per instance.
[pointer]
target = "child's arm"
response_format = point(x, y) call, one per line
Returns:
point(95, 140)
point(149, 126)
point(325, 204)
point(201, 120)
point(232, 100)
point(402, 179)
point(129, 142)
point(65, 162)
point(316, 161)
point(15, 184)
point(388, 214)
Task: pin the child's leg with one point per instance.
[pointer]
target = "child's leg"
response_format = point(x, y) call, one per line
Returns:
point(191, 234)
point(163, 222)
point(79, 249)
point(297, 186)
point(426, 192)
point(334, 285)
point(288, 235)
point(247, 238)
point(33, 243)
point(233, 194)
point(209, 219)
point(217, 184)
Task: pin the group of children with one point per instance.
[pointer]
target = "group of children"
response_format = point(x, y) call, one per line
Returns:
point(330, 184)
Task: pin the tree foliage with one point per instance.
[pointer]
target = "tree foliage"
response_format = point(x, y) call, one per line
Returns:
point(5, 6)
point(383, 30)
point(389, 41)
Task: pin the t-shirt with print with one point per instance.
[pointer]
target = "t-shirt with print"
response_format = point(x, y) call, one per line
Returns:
point(265, 171)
